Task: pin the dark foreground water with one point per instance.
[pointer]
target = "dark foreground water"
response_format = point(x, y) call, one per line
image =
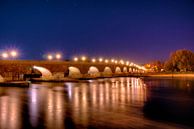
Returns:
point(104, 103)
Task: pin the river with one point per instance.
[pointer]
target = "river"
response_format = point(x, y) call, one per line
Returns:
point(110, 103)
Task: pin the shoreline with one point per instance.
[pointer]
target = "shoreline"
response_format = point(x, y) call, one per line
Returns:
point(15, 84)
point(75, 80)
point(154, 75)
point(171, 75)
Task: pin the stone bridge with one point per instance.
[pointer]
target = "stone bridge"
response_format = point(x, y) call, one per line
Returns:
point(16, 69)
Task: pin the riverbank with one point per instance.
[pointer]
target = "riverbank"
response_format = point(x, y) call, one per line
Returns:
point(85, 79)
point(170, 75)
point(15, 84)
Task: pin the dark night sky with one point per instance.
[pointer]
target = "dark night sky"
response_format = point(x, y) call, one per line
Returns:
point(138, 30)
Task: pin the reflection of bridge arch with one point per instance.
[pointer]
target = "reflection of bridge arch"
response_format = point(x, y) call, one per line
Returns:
point(125, 70)
point(45, 72)
point(74, 72)
point(93, 72)
point(1, 79)
point(117, 70)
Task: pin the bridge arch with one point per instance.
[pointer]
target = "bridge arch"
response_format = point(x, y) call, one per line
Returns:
point(107, 71)
point(74, 72)
point(93, 71)
point(125, 70)
point(135, 70)
point(118, 70)
point(1, 79)
point(130, 70)
point(46, 74)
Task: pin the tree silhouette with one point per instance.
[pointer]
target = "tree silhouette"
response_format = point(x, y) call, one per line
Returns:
point(180, 60)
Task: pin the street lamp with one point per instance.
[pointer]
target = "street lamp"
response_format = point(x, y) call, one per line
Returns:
point(75, 59)
point(13, 53)
point(127, 63)
point(106, 61)
point(100, 59)
point(83, 58)
point(49, 57)
point(122, 62)
point(93, 60)
point(58, 56)
point(5, 55)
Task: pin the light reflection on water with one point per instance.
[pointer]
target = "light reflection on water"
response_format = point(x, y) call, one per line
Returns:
point(102, 103)
point(10, 110)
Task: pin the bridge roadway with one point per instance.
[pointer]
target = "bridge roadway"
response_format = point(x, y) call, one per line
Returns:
point(16, 69)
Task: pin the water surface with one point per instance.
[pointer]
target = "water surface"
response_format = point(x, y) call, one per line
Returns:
point(99, 104)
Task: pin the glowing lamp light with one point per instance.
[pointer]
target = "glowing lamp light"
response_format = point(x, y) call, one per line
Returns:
point(83, 58)
point(131, 64)
point(75, 59)
point(112, 60)
point(93, 60)
point(127, 63)
point(5, 55)
point(100, 59)
point(58, 56)
point(116, 61)
point(13, 53)
point(49, 57)
point(122, 62)
point(106, 61)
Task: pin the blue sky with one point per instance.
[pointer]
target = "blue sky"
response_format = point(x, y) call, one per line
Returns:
point(137, 30)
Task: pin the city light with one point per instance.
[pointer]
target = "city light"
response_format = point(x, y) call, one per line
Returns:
point(100, 59)
point(58, 56)
point(116, 61)
point(127, 63)
point(93, 60)
point(54, 56)
point(83, 58)
point(112, 60)
point(122, 62)
point(49, 57)
point(13, 53)
point(75, 59)
point(5, 55)
point(106, 61)
point(9, 54)
point(131, 64)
